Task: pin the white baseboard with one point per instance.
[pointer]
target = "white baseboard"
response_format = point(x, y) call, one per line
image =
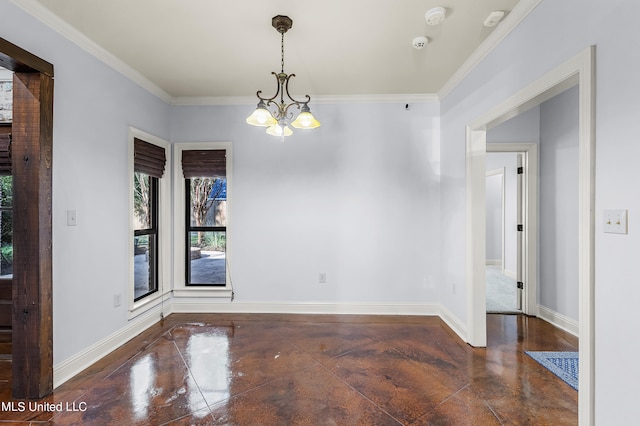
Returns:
point(211, 306)
point(74, 365)
point(494, 262)
point(454, 323)
point(204, 306)
point(561, 321)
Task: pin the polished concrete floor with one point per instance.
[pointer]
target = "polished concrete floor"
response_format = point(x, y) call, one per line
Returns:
point(314, 370)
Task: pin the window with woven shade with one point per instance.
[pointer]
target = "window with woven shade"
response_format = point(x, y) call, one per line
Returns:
point(148, 163)
point(205, 213)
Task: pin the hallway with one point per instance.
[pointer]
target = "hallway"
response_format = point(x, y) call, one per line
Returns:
point(317, 369)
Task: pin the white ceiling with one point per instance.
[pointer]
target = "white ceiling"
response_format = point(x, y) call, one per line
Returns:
point(221, 48)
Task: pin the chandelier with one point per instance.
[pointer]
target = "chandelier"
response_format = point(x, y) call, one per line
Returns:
point(277, 122)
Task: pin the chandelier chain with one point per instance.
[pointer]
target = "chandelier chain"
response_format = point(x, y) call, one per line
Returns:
point(282, 53)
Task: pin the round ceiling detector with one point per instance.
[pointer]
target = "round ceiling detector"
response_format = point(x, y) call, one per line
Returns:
point(435, 16)
point(420, 42)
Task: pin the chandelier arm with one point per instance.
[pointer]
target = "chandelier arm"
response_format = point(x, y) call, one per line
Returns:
point(297, 102)
point(270, 100)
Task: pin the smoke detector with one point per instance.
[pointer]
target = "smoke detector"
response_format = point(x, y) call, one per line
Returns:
point(420, 42)
point(494, 18)
point(435, 16)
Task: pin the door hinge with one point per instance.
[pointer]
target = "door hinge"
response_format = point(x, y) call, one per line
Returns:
point(520, 170)
point(520, 227)
point(520, 285)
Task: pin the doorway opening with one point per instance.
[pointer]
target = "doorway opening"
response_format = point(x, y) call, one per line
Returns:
point(501, 254)
point(515, 271)
point(578, 71)
point(31, 150)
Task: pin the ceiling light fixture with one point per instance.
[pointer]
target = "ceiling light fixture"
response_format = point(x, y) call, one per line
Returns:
point(278, 121)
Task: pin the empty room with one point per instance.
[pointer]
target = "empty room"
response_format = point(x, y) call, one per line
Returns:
point(290, 213)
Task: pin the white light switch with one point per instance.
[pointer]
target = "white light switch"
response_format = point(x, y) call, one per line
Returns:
point(615, 221)
point(72, 219)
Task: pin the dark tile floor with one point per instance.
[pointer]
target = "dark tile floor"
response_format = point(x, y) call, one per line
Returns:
point(314, 370)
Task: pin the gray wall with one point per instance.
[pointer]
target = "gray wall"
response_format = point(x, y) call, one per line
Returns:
point(357, 198)
point(558, 255)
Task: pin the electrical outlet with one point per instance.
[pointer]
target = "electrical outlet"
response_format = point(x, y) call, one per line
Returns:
point(322, 277)
point(615, 221)
point(72, 218)
point(117, 299)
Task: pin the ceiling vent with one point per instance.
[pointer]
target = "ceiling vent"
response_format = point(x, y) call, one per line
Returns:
point(435, 16)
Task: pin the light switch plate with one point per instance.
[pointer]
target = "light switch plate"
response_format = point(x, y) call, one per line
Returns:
point(615, 221)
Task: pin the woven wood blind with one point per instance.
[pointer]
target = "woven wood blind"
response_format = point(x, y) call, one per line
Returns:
point(204, 163)
point(5, 154)
point(148, 158)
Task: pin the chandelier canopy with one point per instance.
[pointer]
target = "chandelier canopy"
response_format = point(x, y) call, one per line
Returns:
point(278, 121)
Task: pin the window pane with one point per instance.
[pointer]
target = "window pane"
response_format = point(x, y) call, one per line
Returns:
point(6, 227)
point(6, 191)
point(207, 257)
point(208, 202)
point(141, 201)
point(6, 244)
point(144, 264)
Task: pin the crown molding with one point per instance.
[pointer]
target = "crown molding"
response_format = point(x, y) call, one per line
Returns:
point(317, 100)
point(513, 19)
point(50, 19)
point(38, 11)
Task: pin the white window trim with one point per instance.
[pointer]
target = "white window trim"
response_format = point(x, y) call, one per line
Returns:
point(180, 289)
point(164, 229)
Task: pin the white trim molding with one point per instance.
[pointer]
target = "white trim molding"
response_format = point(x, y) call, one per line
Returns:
point(317, 99)
point(199, 305)
point(557, 319)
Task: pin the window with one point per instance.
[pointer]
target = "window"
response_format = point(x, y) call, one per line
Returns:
point(145, 239)
point(148, 167)
point(205, 217)
point(203, 220)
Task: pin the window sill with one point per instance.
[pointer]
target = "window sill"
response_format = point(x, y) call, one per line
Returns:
point(146, 304)
point(221, 292)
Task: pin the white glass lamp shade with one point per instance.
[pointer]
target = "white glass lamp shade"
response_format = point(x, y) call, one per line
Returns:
point(305, 120)
point(261, 116)
point(279, 130)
